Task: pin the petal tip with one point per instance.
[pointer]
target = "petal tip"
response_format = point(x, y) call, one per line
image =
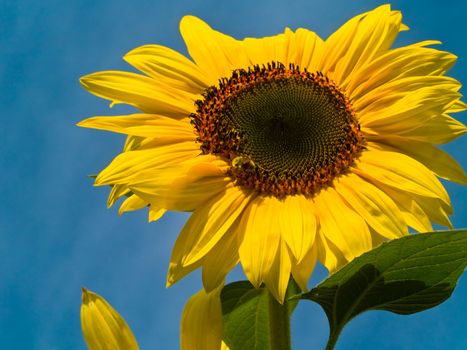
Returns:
point(85, 80)
point(84, 123)
point(190, 20)
point(84, 295)
point(170, 281)
point(403, 27)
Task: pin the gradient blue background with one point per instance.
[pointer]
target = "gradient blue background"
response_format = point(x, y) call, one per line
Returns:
point(56, 234)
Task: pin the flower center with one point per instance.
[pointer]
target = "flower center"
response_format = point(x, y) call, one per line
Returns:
point(284, 131)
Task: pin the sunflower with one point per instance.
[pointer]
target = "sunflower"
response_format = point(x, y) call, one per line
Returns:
point(287, 149)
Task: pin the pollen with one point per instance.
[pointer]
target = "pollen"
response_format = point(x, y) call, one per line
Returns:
point(284, 131)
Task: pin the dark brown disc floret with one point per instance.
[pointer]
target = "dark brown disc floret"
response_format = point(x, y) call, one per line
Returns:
point(284, 131)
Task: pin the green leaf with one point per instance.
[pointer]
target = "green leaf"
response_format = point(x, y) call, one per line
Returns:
point(407, 275)
point(253, 319)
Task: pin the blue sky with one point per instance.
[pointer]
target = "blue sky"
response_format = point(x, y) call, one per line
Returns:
point(56, 234)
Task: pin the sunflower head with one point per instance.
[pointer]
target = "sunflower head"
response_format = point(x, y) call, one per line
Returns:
point(285, 131)
point(288, 149)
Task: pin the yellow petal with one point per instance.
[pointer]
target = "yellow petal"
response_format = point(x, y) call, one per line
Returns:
point(298, 224)
point(378, 209)
point(358, 41)
point(401, 172)
point(144, 125)
point(397, 90)
point(407, 113)
point(155, 212)
point(133, 202)
point(215, 53)
point(411, 211)
point(206, 226)
point(302, 271)
point(408, 61)
point(341, 225)
point(328, 254)
point(221, 259)
point(141, 92)
point(103, 328)
point(278, 277)
point(265, 50)
point(436, 210)
point(185, 186)
point(416, 218)
point(169, 66)
point(116, 192)
point(308, 49)
point(438, 129)
point(458, 106)
point(259, 242)
point(438, 161)
point(433, 208)
point(133, 143)
point(128, 165)
point(376, 238)
point(177, 271)
point(201, 324)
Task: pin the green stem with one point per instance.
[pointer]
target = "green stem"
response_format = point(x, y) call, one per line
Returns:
point(333, 336)
point(279, 325)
